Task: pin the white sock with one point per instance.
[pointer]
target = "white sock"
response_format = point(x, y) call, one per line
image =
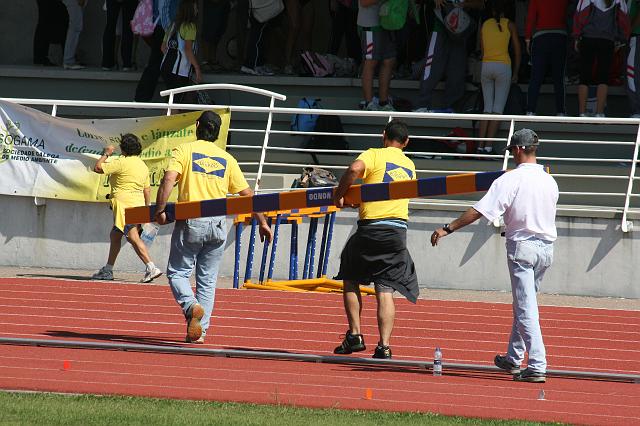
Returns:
point(150, 266)
point(108, 267)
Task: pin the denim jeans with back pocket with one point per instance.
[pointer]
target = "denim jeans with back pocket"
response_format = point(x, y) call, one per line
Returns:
point(528, 260)
point(196, 243)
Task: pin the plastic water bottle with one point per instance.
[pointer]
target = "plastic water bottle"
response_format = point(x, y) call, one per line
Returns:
point(149, 232)
point(437, 362)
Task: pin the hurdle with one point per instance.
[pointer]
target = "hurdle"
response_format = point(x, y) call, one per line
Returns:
point(319, 283)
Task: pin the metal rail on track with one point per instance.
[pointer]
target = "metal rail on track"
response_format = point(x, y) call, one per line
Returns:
point(273, 355)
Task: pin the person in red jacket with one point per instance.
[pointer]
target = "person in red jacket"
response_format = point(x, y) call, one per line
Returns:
point(546, 42)
point(600, 27)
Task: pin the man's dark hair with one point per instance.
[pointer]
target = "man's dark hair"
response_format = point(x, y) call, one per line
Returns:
point(208, 127)
point(130, 145)
point(396, 130)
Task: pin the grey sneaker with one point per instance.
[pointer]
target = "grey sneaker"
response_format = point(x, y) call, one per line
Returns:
point(103, 274)
point(151, 275)
point(528, 375)
point(194, 328)
point(502, 363)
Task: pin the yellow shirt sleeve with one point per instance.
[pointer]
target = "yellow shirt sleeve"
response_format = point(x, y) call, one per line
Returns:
point(188, 31)
point(237, 182)
point(177, 162)
point(112, 166)
point(368, 158)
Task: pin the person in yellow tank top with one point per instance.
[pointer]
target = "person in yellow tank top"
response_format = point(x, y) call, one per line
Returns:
point(496, 76)
point(129, 180)
point(377, 252)
point(203, 172)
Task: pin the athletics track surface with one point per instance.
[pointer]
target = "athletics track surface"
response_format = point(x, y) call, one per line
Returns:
point(468, 332)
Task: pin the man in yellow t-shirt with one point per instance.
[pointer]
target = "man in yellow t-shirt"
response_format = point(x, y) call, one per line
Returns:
point(377, 252)
point(203, 172)
point(129, 180)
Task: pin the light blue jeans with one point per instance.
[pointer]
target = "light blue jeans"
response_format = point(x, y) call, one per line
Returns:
point(196, 243)
point(527, 260)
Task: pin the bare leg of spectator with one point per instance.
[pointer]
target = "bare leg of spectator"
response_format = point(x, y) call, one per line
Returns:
point(368, 71)
point(601, 98)
point(583, 90)
point(384, 80)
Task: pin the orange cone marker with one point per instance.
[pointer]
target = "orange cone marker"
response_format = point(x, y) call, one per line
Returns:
point(66, 365)
point(368, 394)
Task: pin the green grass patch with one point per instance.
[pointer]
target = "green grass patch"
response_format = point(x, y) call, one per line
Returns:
point(55, 409)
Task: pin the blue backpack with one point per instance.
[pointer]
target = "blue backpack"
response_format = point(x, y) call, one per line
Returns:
point(306, 122)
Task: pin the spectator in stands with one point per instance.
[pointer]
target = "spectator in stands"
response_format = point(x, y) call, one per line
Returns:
point(114, 7)
point(633, 60)
point(344, 24)
point(129, 179)
point(300, 16)
point(377, 253)
point(51, 29)
point(546, 42)
point(254, 62)
point(164, 13)
point(215, 14)
point(198, 243)
point(180, 66)
point(496, 76)
point(600, 27)
point(378, 45)
point(520, 18)
point(75, 11)
point(447, 53)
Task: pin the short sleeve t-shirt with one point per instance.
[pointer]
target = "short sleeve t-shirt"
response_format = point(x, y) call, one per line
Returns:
point(386, 165)
point(127, 174)
point(206, 171)
point(526, 197)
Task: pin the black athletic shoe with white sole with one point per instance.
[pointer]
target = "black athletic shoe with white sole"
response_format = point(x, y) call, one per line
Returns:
point(351, 343)
point(502, 363)
point(528, 375)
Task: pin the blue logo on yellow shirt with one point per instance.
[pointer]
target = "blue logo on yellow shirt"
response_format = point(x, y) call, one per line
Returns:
point(395, 172)
point(201, 163)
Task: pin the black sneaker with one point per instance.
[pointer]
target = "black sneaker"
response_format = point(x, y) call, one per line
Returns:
point(502, 363)
point(528, 375)
point(351, 343)
point(382, 352)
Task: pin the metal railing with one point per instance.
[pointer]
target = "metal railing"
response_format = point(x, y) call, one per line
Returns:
point(625, 166)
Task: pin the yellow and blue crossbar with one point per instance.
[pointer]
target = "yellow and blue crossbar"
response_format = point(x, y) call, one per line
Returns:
point(318, 197)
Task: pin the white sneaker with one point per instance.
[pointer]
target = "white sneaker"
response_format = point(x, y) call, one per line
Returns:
point(264, 70)
point(386, 107)
point(423, 109)
point(73, 67)
point(600, 115)
point(372, 106)
point(103, 274)
point(248, 70)
point(151, 275)
point(531, 113)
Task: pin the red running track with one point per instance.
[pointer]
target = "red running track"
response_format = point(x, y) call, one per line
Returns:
point(468, 332)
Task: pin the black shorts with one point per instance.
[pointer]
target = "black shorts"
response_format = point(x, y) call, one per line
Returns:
point(378, 254)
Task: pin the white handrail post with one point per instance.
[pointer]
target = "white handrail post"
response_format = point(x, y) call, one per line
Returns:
point(499, 222)
point(625, 225)
point(170, 103)
point(506, 151)
point(265, 144)
point(54, 110)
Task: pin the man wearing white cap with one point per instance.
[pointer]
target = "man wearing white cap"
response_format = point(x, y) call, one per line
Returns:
point(526, 197)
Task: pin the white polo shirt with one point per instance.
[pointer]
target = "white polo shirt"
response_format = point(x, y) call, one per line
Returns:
point(526, 197)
